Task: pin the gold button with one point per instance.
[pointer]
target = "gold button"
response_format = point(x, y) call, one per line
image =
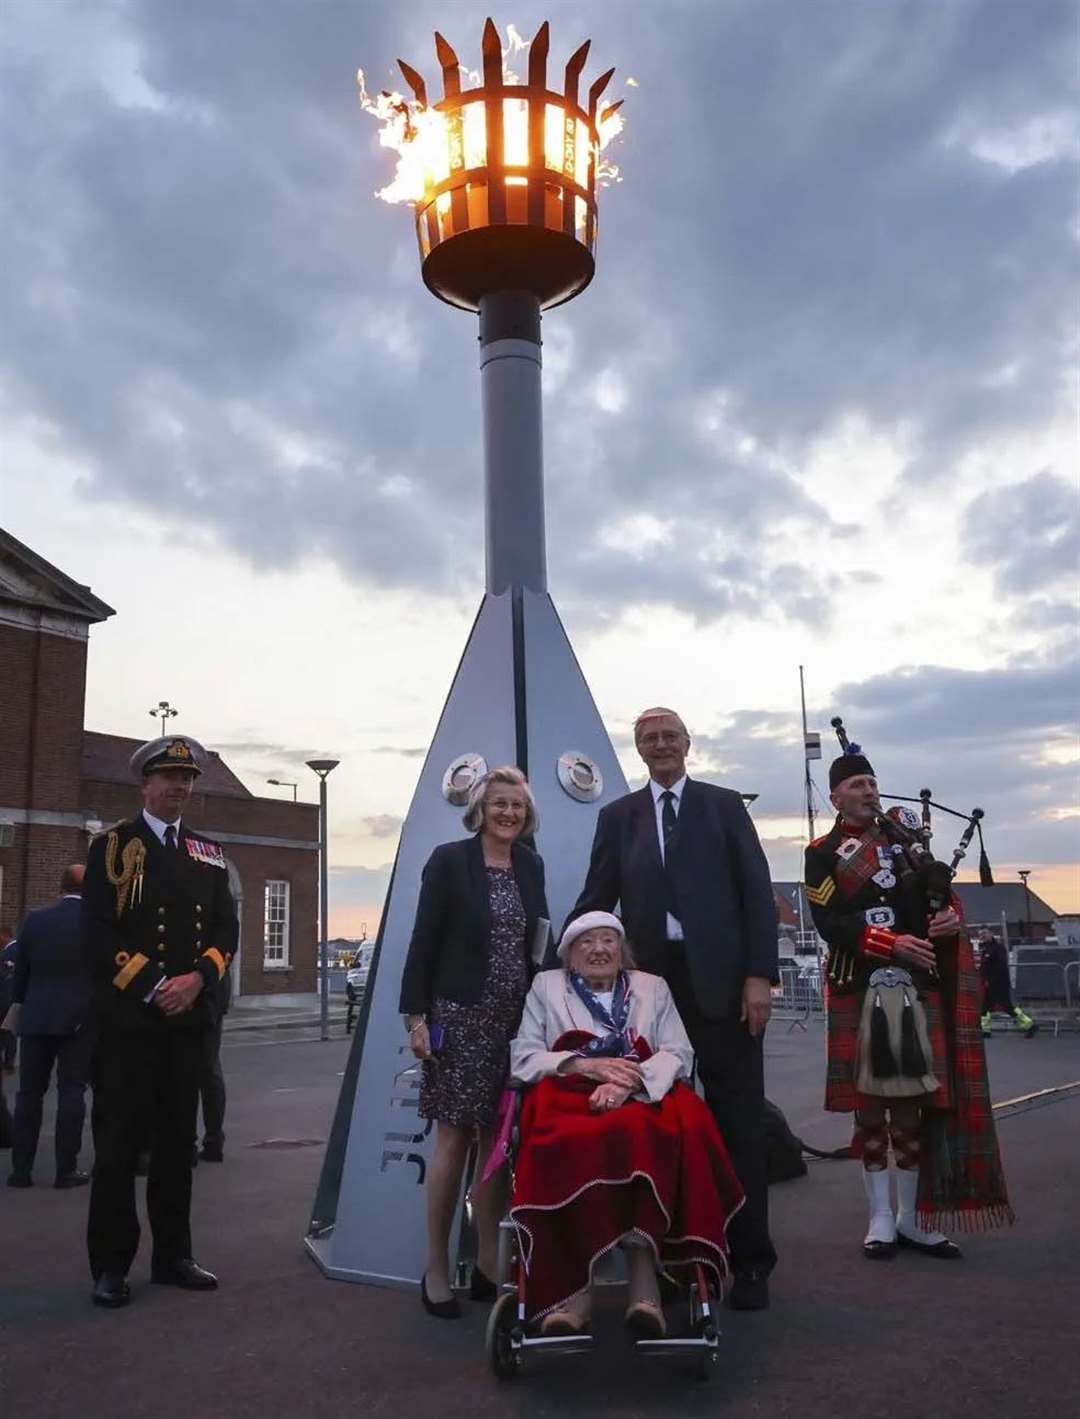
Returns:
point(161, 911)
point(161, 931)
point(198, 907)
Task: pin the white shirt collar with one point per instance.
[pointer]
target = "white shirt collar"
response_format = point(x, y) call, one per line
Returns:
point(676, 789)
point(158, 826)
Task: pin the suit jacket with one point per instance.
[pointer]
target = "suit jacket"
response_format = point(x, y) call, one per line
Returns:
point(552, 1007)
point(182, 918)
point(451, 939)
point(52, 988)
point(716, 882)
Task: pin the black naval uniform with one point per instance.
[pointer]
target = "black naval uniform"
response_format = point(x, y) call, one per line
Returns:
point(150, 911)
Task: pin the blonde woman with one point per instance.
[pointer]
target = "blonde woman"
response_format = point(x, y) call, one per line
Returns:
point(464, 983)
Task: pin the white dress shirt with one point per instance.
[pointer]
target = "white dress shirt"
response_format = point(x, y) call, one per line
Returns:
point(674, 926)
point(157, 827)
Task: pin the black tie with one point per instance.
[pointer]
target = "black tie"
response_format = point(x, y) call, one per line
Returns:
point(667, 816)
point(170, 836)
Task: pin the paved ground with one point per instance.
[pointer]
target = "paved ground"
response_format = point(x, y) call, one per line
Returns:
point(991, 1336)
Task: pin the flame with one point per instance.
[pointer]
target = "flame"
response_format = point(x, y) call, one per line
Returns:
point(423, 138)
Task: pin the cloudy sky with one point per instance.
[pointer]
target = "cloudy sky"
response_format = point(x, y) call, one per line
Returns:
point(817, 407)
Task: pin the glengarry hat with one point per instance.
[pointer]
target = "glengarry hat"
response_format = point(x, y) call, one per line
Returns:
point(848, 765)
point(171, 751)
point(588, 921)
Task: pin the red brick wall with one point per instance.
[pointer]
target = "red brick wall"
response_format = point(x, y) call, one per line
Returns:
point(43, 687)
point(256, 864)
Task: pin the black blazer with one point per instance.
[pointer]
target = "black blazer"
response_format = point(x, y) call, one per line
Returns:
point(52, 987)
point(451, 939)
point(717, 882)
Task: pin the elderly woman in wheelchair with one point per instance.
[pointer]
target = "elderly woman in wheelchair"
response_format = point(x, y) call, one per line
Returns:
point(616, 1149)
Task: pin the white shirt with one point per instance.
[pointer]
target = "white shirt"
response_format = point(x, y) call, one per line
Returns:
point(157, 827)
point(674, 926)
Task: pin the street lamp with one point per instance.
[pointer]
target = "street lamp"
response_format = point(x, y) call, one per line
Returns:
point(163, 712)
point(1024, 873)
point(323, 767)
point(285, 783)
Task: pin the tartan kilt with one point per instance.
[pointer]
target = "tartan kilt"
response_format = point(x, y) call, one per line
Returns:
point(843, 1012)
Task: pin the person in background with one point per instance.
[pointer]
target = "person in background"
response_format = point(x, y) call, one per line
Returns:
point(53, 999)
point(212, 1077)
point(462, 989)
point(8, 1043)
point(997, 986)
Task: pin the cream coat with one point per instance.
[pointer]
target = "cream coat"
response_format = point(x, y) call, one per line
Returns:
point(552, 1008)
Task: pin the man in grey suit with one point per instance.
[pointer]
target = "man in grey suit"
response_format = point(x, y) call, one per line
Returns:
point(683, 861)
point(53, 996)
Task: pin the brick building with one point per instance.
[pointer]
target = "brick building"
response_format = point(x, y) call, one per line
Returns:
point(60, 783)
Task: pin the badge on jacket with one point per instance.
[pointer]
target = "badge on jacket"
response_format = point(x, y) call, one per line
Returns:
point(208, 853)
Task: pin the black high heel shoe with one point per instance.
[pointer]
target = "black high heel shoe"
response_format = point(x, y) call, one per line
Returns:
point(445, 1310)
point(481, 1287)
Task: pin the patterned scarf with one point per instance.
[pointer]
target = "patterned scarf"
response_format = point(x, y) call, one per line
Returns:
point(961, 1180)
point(617, 1043)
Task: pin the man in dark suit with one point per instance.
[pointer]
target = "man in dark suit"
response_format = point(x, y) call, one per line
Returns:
point(159, 925)
point(683, 860)
point(53, 996)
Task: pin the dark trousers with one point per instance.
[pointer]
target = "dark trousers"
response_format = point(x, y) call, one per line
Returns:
point(731, 1067)
point(212, 1089)
point(72, 1055)
point(8, 1045)
point(146, 1085)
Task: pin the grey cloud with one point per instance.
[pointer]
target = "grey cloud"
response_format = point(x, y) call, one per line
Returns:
point(1029, 533)
point(264, 363)
point(408, 752)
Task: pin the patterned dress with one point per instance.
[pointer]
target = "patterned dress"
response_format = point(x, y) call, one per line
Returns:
point(462, 1086)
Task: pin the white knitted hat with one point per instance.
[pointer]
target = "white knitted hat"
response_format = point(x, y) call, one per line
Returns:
point(588, 921)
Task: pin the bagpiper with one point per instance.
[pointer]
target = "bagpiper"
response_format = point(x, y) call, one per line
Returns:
point(904, 1050)
point(160, 928)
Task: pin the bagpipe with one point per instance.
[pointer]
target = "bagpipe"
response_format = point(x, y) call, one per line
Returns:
point(926, 877)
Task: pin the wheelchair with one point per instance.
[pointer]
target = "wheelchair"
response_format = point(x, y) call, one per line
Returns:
point(511, 1341)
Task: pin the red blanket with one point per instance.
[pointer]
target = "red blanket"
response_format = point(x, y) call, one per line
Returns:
point(585, 1180)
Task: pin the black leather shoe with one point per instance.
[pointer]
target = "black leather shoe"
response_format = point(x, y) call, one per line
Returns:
point(75, 1179)
point(879, 1251)
point(210, 1154)
point(20, 1180)
point(943, 1250)
point(481, 1287)
point(445, 1310)
point(750, 1291)
point(111, 1289)
point(185, 1273)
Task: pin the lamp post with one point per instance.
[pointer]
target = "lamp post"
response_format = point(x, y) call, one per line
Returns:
point(1024, 873)
point(285, 783)
point(164, 711)
point(323, 767)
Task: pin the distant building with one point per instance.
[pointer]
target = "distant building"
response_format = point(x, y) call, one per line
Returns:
point(59, 784)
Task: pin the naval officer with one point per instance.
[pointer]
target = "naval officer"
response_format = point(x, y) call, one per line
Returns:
point(160, 928)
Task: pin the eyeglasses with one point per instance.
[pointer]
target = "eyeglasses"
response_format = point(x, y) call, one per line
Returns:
point(505, 805)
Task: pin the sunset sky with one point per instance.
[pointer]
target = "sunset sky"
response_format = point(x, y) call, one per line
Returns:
point(817, 407)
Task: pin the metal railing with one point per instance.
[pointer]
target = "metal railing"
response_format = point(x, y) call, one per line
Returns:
point(798, 995)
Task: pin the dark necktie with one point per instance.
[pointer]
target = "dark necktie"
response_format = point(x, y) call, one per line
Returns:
point(170, 836)
point(667, 816)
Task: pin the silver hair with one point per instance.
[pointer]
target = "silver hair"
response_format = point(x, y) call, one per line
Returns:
point(652, 713)
point(473, 817)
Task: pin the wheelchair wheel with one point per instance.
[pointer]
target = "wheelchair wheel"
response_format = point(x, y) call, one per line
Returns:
point(501, 1327)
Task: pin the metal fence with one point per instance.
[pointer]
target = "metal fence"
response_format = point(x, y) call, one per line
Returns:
point(799, 994)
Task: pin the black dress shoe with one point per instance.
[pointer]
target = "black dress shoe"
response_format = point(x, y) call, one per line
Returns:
point(750, 1291)
point(185, 1273)
point(20, 1180)
point(75, 1179)
point(943, 1250)
point(481, 1287)
point(445, 1310)
point(210, 1154)
point(111, 1289)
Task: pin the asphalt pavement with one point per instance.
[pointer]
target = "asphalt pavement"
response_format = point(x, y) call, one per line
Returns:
point(993, 1335)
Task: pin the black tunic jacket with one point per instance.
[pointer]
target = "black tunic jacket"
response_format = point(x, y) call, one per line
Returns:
point(182, 919)
point(451, 939)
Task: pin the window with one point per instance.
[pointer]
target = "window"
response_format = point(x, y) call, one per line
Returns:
point(276, 926)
